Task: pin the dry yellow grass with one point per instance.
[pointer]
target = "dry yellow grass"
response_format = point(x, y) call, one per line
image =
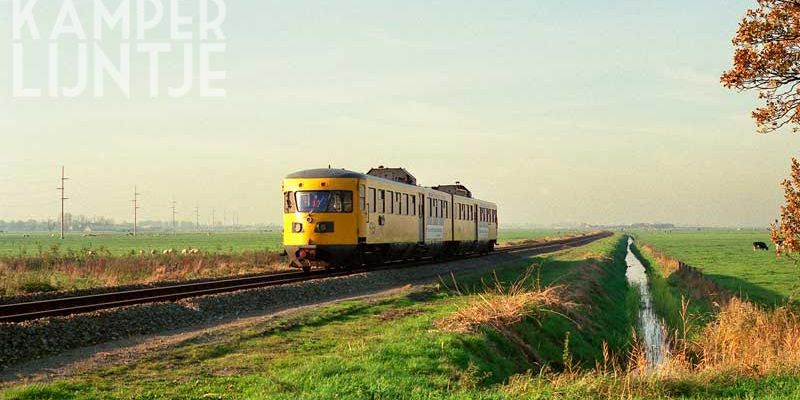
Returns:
point(744, 339)
point(500, 307)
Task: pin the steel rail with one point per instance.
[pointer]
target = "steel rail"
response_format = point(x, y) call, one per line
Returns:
point(26, 311)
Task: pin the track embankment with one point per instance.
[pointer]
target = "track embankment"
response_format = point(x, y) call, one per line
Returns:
point(48, 336)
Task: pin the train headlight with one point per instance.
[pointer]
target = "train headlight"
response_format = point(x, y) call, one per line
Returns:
point(324, 227)
point(297, 227)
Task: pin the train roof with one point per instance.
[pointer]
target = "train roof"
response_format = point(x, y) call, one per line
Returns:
point(344, 173)
point(325, 173)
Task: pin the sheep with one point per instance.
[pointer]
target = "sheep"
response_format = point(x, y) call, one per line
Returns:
point(168, 252)
point(184, 252)
point(153, 252)
point(194, 251)
point(91, 253)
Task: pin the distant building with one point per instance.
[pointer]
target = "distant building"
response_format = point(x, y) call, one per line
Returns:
point(393, 174)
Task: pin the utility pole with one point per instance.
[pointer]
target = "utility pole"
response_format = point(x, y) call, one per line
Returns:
point(212, 219)
point(197, 217)
point(62, 200)
point(135, 208)
point(173, 217)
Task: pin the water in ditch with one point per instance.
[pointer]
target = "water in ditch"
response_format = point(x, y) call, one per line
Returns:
point(650, 329)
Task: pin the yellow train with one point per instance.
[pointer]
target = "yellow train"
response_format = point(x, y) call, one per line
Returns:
point(341, 218)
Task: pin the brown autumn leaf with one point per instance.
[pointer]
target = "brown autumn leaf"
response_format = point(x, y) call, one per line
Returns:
point(767, 59)
point(786, 231)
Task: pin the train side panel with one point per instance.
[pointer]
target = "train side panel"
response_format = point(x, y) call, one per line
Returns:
point(465, 226)
point(436, 211)
point(391, 216)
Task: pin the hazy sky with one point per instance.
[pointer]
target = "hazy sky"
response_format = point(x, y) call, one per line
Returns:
point(581, 111)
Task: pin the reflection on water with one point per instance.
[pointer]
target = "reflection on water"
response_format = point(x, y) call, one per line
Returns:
point(650, 327)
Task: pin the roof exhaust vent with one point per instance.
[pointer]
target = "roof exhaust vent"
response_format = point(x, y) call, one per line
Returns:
point(393, 174)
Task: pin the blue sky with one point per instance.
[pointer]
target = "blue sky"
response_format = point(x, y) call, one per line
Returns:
point(560, 111)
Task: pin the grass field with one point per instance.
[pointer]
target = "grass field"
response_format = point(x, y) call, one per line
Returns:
point(17, 244)
point(382, 349)
point(119, 244)
point(39, 263)
point(727, 258)
point(396, 347)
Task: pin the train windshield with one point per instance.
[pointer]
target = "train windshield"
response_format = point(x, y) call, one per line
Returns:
point(331, 201)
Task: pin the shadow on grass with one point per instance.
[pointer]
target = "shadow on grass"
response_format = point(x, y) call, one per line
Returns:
point(749, 291)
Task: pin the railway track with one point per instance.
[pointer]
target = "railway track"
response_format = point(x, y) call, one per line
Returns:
point(19, 312)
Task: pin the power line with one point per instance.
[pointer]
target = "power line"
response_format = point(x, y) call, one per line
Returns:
point(135, 208)
point(62, 200)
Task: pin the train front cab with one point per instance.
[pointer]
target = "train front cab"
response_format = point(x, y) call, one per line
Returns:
point(321, 218)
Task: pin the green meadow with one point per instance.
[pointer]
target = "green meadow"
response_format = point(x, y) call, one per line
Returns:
point(118, 244)
point(727, 258)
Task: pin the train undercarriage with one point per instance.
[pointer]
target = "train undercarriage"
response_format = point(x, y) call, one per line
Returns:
point(307, 257)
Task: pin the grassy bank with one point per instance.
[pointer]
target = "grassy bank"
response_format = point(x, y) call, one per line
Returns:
point(566, 335)
point(741, 348)
point(676, 301)
point(388, 348)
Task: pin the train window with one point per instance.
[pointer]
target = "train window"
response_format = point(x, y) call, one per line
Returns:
point(398, 199)
point(413, 206)
point(288, 204)
point(430, 207)
point(405, 204)
point(381, 201)
point(446, 206)
point(372, 200)
point(330, 201)
point(400, 206)
point(390, 203)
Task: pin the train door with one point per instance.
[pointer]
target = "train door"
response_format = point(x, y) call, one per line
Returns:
point(421, 214)
point(362, 205)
